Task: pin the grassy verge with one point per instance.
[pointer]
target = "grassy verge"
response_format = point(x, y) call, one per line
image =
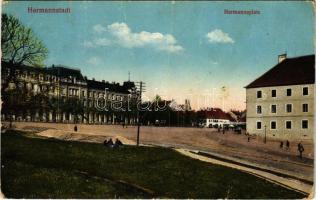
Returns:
point(47, 168)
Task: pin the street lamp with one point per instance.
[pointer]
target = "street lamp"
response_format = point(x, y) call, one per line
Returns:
point(141, 90)
point(265, 133)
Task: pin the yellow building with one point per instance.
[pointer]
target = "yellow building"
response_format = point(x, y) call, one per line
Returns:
point(54, 89)
point(280, 103)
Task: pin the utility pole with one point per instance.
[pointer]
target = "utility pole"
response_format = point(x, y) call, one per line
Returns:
point(141, 90)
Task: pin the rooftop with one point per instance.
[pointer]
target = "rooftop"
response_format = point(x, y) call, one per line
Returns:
point(111, 87)
point(291, 71)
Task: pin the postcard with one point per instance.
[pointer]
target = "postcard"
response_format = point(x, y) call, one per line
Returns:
point(157, 99)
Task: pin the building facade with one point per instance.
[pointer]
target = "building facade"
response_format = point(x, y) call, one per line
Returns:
point(280, 103)
point(63, 94)
point(214, 118)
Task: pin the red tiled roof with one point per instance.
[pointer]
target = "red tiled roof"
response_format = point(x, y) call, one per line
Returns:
point(291, 71)
point(215, 113)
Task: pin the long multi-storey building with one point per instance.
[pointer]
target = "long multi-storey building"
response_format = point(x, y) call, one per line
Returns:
point(98, 102)
point(280, 103)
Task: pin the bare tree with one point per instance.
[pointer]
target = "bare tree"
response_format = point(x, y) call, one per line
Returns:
point(19, 44)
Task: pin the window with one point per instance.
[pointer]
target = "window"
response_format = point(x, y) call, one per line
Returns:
point(273, 108)
point(304, 124)
point(259, 94)
point(288, 92)
point(305, 91)
point(259, 109)
point(288, 108)
point(305, 107)
point(259, 125)
point(273, 125)
point(273, 93)
point(288, 124)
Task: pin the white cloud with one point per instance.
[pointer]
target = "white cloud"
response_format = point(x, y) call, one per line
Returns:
point(88, 44)
point(94, 61)
point(123, 36)
point(99, 28)
point(218, 36)
point(102, 42)
point(97, 42)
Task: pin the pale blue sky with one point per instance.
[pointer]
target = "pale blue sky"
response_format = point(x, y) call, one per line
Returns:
point(108, 39)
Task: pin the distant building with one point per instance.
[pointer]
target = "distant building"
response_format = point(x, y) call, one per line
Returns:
point(280, 103)
point(187, 105)
point(214, 118)
point(63, 84)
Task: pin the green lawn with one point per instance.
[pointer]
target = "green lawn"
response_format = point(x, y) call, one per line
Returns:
point(47, 168)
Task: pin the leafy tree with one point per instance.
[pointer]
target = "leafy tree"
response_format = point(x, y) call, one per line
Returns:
point(19, 44)
point(157, 98)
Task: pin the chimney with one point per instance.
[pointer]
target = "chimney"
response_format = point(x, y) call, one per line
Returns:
point(281, 57)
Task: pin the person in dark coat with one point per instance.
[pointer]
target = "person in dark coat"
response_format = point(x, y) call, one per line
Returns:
point(281, 145)
point(287, 145)
point(300, 149)
point(75, 128)
point(117, 143)
point(110, 143)
point(105, 143)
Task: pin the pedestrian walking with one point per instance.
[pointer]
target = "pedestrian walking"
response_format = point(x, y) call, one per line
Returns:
point(287, 145)
point(300, 149)
point(281, 145)
point(75, 128)
point(248, 138)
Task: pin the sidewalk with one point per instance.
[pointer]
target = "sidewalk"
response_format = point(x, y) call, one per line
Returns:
point(286, 182)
